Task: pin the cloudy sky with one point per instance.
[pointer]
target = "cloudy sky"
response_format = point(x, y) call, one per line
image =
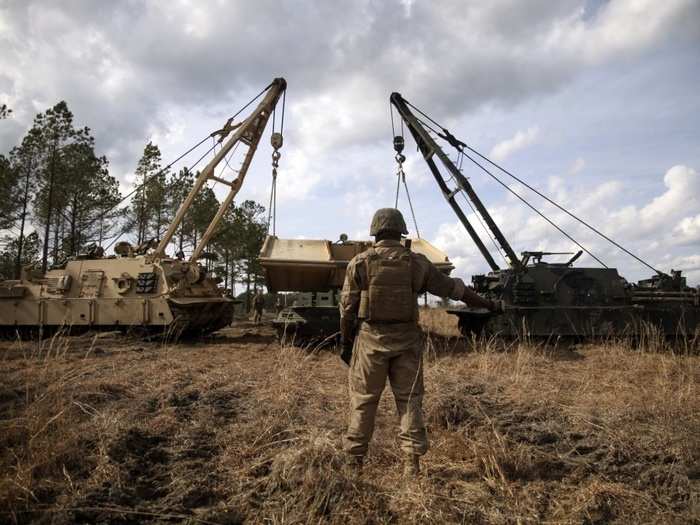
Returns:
point(596, 103)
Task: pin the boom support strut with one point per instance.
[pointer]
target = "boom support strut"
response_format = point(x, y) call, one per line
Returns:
point(247, 133)
point(429, 149)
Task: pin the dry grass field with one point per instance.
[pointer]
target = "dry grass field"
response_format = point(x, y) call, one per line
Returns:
point(235, 428)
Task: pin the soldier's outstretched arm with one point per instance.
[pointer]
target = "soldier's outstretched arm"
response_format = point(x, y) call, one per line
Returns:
point(471, 298)
point(437, 283)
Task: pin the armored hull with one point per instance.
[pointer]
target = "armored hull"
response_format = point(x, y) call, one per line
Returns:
point(308, 325)
point(549, 299)
point(142, 292)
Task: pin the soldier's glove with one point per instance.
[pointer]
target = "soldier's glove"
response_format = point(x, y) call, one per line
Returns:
point(348, 329)
point(473, 299)
point(346, 352)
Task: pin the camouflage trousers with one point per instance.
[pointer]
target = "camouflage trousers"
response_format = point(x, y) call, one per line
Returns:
point(381, 352)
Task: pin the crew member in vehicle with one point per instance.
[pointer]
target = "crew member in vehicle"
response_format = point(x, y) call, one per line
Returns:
point(381, 338)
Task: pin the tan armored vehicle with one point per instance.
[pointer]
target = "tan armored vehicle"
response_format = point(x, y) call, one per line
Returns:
point(142, 287)
point(126, 290)
point(316, 268)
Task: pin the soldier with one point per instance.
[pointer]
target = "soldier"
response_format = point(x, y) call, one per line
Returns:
point(258, 304)
point(380, 335)
point(279, 304)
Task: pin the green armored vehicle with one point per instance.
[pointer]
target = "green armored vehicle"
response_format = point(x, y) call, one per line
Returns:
point(309, 317)
point(142, 288)
point(546, 299)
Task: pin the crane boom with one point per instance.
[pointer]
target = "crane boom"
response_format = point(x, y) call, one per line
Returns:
point(247, 133)
point(429, 149)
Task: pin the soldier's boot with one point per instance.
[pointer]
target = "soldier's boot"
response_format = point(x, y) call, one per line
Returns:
point(412, 466)
point(354, 464)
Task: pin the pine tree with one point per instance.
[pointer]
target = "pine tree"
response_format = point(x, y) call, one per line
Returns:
point(8, 185)
point(179, 187)
point(10, 254)
point(74, 185)
point(9, 205)
point(202, 212)
point(57, 139)
point(240, 239)
point(226, 243)
point(25, 161)
point(90, 193)
point(54, 180)
point(106, 196)
point(148, 215)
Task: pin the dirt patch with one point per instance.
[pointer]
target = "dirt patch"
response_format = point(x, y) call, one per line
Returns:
point(141, 460)
point(223, 403)
point(101, 394)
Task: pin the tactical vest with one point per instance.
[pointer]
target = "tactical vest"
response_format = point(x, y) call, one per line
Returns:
point(389, 297)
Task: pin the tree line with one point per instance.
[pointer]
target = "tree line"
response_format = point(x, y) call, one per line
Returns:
point(59, 200)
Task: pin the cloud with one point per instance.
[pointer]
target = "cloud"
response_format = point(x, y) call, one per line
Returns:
point(521, 140)
point(296, 177)
point(363, 201)
point(682, 196)
point(621, 27)
point(688, 231)
point(689, 265)
point(576, 167)
point(128, 69)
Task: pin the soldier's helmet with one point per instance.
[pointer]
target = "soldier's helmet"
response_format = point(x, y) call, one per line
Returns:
point(388, 219)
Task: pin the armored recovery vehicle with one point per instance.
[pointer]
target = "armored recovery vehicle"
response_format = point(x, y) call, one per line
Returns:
point(142, 287)
point(317, 268)
point(545, 299)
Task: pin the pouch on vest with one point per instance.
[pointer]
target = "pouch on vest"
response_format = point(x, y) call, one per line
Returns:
point(389, 297)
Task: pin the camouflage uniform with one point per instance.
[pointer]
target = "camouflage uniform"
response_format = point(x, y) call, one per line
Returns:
point(390, 350)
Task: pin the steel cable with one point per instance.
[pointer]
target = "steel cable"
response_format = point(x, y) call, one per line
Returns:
point(410, 205)
point(538, 212)
point(534, 190)
point(557, 205)
point(170, 165)
point(522, 199)
point(272, 207)
point(483, 227)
